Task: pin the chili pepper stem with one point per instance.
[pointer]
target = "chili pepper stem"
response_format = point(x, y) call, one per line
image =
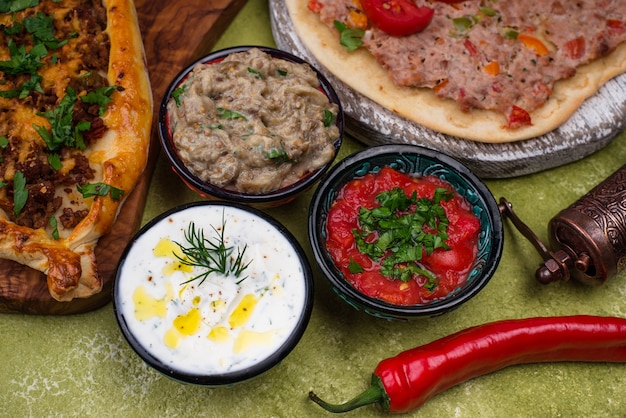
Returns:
point(373, 394)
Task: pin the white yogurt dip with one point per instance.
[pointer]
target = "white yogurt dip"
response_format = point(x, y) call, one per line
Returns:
point(222, 324)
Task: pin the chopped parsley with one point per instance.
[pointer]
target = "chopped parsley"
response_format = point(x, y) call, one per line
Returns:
point(100, 189)
point(33, 84)
point(54, 160)
point(20, 193)
point(278, 155)
point(4, 142)
point(101, 97)
point(329, 118)
point(355, 267)
point(256, 73)
point(403, 228)
point(23, 61)
point(63, 132)
point(9, 6)
point(41, 28)
point(54, 225)
point(177, 93)
point(350, 38)
point(229, 114)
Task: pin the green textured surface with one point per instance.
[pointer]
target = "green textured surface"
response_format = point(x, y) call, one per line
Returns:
point(81, 365)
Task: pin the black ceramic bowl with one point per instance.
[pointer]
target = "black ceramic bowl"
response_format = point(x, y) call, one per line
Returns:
point(212, 191)
point(222, 329)
point(418, 161)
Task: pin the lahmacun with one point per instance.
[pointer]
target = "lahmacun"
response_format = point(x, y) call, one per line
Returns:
point(497, 71)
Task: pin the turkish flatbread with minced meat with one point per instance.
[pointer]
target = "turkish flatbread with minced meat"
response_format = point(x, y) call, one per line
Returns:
point(581, 53)
point(75, 120)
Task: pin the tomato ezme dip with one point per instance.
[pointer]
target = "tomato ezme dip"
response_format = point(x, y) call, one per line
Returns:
point(402, 239)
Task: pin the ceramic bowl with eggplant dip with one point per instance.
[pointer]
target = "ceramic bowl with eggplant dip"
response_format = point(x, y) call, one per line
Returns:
point(250, 124)
point(213, 293)
point(403, 232)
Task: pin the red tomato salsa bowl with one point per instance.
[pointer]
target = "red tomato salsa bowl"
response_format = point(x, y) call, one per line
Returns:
point(402, 232)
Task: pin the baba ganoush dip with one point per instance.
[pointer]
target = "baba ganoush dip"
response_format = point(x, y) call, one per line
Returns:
point(207, 324)
point(252, 123)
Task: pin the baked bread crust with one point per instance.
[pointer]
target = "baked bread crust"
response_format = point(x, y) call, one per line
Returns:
point(118, 160)
point(360, 71)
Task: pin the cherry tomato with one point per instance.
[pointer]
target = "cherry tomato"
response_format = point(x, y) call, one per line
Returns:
point(397, 17)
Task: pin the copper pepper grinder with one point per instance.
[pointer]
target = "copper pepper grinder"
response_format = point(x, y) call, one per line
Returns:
point(588, 238)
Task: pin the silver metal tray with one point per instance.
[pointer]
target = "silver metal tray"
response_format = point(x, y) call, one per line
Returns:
point(599, 119)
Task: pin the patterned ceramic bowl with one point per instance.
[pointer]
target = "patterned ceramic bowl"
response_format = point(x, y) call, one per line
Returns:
point(417, 162)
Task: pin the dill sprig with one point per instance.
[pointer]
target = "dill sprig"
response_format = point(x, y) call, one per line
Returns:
point(212, 255)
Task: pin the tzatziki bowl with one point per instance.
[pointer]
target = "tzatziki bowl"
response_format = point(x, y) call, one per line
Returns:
point(213, 293)
point(250, 124)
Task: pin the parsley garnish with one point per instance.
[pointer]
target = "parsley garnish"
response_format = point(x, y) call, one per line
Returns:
point(63, 133)
point(100, 189)
point(329, 118)
point(53, 224)
point(101, 97)
point(20, 193)
point(8, 6)
point(177, 93)
point(4, 142)
point(256, 73)
point(350, 38)
point(214, 256)
point(34, 84)
point(278, 155)
point(404, 228)
point(41, 28)
point(355, 267)
point(54, 160)
point(229, 114)
point(22, 61)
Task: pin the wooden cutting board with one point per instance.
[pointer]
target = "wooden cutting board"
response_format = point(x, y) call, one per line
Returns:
point(175, 33)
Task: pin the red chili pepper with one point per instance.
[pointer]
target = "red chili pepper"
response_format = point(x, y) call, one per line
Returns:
point(405, 382)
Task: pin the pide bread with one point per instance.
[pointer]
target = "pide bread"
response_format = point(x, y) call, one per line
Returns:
point(75, 121)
